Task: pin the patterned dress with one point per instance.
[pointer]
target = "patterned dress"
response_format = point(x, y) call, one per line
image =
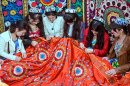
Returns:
point(114, 61)
point(35, 32)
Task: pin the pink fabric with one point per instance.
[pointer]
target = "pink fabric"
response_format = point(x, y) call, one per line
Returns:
point(34, 34)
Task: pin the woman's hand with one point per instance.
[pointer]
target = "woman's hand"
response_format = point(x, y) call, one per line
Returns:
point(61, 35)
point(128, 72)
point(37, 35)
point(111, 72)
point(81, 45)
point(1, 61)
point(87, 50)
point(34, 43)
point(24, 55)
point(105, 58)
point(48, 38)
point(17, 58)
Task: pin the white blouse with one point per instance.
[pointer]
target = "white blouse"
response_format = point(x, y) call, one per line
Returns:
point(70, 30)
point(5, 37)
point(54, 29)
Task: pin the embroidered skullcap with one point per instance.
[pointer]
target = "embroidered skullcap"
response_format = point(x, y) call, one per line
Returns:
point(50, 8)
point(35, 10)
point(121, 21)
point(70, 11)
point(99, 19)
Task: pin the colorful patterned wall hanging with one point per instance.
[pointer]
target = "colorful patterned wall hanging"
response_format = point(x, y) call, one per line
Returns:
point(12, 11)
point(114, 8)
point(77, 4)
point(108, 9)
point(42, 4)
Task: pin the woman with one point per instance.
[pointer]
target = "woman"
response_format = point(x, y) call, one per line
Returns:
point(53, 24)
point(119, 55)
point(10, 42)
point(74, 27)
point(95, 38)
point(36, 28)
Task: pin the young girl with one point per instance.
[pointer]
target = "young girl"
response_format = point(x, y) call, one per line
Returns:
point(119, 55)
point(53, 24)
point(34, 18)
point(95, 38)
point(73, 27)
point(10, 42)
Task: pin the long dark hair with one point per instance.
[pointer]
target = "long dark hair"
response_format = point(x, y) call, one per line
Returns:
point(35, 16)
point(115, 27)
point(70, 17)
point(21, 25)
point(99, 27)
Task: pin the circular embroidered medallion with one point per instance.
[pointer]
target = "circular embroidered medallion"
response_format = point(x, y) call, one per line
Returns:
point(79, 71)
point(42, 55)
point(111, 9)
point(18, 70)
point(47, 2)
point(59, 54)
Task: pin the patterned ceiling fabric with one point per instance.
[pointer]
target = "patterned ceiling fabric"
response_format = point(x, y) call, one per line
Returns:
point(12, 11)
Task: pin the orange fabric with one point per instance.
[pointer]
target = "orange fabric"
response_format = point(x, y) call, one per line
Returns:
point(58, 63)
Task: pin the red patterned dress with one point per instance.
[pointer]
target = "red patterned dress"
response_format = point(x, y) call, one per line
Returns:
point(35, 32)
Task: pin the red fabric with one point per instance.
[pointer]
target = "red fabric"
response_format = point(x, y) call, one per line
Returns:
point(124, 81)
point(98, 52)
point(58, 63)
point(34, 34)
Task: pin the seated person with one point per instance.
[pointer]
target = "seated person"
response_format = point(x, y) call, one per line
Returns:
point(95, 38)
point(11, 43)
point(73, 27)
point(53, 24)
point(119, 55)
point(36, 27)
